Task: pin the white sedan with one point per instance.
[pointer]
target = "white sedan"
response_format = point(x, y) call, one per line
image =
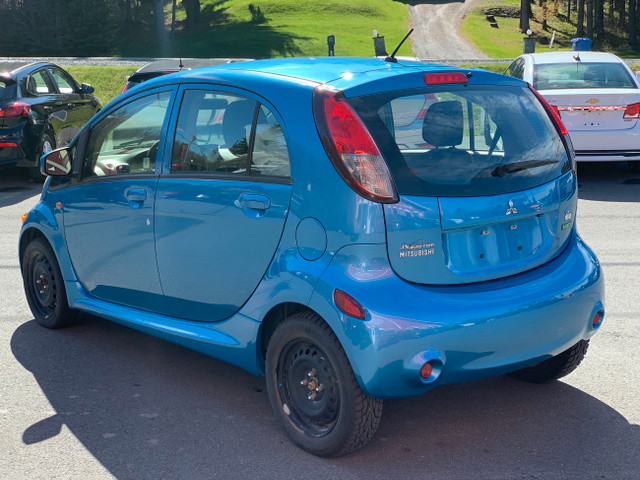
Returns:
point(597, 97)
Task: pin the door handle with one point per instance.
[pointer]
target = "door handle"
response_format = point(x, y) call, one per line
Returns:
point(136, 197)
point(254, 202)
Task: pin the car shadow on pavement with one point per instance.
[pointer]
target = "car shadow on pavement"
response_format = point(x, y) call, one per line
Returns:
point(146, 408)
point(608, 182)
point(16, 186)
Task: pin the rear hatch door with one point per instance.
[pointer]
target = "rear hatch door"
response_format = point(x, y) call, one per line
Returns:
point(485, 181)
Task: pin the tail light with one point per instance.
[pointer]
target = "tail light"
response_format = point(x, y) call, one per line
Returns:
point(15, 109)
point(632, 111)
point(445, 78)
point(348, 305)
point(351, 148)
point(554, 114)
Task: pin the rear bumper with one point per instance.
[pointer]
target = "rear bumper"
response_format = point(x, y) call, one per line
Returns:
point(467, 331)
point(606, 145)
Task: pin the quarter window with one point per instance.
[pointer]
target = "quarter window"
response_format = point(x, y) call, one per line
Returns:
point(127, 140)
point(224, 133)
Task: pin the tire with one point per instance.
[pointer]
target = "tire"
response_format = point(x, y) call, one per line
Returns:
point(555, 367)
point(313, 390)
point(44, 286)
point(45, 146)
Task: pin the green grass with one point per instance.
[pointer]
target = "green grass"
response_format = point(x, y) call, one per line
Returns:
point(506, 40)
point(281, 28)
point(108, 81)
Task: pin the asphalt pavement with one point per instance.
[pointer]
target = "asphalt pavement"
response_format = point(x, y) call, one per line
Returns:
point(100, 401)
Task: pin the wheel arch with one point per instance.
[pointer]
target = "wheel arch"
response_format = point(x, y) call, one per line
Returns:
point(278, 314)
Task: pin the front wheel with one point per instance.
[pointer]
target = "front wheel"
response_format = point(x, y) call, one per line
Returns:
point(44, 286)
point(313, 390)
point(555, 367)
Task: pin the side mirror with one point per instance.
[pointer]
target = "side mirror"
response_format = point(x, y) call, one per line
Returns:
point(56, 163)
point(86, 88)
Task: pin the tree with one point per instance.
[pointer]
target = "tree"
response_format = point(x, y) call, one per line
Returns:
point(192, 7)
point(580, 21)
point(525, 15)
point(633, 24)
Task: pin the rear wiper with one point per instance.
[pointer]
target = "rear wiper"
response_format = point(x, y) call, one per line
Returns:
point(503, 170)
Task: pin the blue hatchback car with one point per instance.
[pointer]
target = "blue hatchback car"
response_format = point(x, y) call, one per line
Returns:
point(352, 229)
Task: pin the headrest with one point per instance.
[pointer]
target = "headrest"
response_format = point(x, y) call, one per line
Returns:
point(443, 124)
point(237, 117)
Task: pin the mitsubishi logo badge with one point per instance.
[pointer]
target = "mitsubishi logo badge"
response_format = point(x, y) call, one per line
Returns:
point(511, 208)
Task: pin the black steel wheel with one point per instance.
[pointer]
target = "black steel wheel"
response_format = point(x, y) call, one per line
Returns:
point(44, 286)
point(555, 367)
point(313, 390)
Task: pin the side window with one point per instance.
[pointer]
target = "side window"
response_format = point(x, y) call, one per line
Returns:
point(64, 83)
point(126, 141)
point(40, 84)
point(270, 155)
point(215, 133)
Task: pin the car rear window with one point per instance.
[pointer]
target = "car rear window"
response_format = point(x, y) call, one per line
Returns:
point(463, 140)
point(555, 76)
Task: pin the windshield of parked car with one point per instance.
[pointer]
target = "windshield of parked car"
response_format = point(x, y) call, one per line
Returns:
point(555, 76)
point(461, 140)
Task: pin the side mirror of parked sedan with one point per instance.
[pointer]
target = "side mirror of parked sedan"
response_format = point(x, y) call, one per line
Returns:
point(86, 88)
point(56, 163)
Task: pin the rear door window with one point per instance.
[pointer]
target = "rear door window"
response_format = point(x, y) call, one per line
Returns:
point(464, 140)
point(224, 133)
point(40, 83)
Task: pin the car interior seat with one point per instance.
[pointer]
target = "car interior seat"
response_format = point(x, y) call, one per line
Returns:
point(443, 127)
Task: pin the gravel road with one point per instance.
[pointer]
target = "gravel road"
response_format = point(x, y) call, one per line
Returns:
point(437, 33)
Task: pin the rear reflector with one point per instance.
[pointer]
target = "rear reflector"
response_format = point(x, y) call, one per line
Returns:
point(8, 144)
point(426, 370)
point(16, 109)
point(348, 305)
point(632, 111)
point(597, 319)
point(445, 78)
point(351, 148)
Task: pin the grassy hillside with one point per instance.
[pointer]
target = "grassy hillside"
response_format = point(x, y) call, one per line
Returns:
point(506, 40)
point(268, 28)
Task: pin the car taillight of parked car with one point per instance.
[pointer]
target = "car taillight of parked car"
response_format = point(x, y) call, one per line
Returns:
point(632, 111)
point(351, 148)
point(16, 109)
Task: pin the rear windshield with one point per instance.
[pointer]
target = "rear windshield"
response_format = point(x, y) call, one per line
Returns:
point(555, 76)
point(464, 140)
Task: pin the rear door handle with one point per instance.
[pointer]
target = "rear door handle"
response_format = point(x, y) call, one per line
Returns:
point(136, 197)
point(254, 202)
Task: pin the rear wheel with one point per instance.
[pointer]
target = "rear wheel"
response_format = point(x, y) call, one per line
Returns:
point(46, 145)
point(555, 367)
point(44, 286)
point(314, 392)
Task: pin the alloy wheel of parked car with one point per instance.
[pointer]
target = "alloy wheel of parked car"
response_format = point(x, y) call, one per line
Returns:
point(314, 392)
point(44, 286)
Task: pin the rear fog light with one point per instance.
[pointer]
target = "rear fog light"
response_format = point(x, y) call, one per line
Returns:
point(597, 319)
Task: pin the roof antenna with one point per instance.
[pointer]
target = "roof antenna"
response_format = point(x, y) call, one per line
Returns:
point(392, 58)
point(180, 66)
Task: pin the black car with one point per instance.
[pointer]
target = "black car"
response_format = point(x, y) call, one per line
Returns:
point(164, 67)
point(41, 107)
